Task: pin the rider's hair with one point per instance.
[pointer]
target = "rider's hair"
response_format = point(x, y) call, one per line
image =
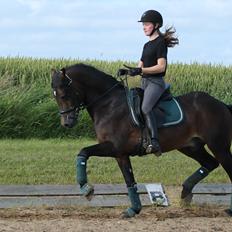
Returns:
point(170, 39)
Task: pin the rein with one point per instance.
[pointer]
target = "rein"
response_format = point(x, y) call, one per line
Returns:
point(91, 103)
point(82, 106)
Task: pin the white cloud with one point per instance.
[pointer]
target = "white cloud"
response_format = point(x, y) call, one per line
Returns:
point(34, 5)
point(219, 8)
point(86, 28)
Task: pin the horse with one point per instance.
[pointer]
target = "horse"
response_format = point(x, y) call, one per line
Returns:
point(207, 121)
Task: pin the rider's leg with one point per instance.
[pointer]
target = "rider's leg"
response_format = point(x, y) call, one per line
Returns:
point(152, 93)
point(154, 147)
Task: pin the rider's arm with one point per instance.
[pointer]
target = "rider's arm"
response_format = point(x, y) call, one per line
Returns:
point(158, 68)
point(140, 64)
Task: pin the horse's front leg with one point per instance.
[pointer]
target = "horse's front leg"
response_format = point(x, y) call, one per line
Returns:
point(105, 149)
point(126, 168)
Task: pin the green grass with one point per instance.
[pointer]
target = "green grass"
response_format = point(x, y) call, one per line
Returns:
point(53, 162)
point(28, 110)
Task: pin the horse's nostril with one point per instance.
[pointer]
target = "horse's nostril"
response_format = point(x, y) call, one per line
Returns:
point(69, 124)
point(66, 125)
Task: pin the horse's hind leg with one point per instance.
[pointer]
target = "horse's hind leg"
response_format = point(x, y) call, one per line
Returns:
point(224, 157)
point(207, 162)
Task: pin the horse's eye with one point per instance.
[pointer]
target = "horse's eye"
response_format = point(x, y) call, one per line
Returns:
point(64, 97)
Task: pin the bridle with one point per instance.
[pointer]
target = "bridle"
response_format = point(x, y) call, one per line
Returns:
point(82, 106)
point(74, 108)
point(61, 112)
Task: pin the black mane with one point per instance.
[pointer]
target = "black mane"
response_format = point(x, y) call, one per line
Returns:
point(88, 70)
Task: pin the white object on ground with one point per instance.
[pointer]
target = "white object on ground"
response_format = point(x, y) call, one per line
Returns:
point(157, 194)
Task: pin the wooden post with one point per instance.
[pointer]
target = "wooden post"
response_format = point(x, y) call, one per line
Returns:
point(105, 195)
point(231, 204)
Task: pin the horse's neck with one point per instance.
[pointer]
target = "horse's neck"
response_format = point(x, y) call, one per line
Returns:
point(100, 91)
point(96, 88)
point(105, 102)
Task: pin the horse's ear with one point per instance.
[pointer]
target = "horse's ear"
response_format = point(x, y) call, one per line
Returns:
point(53, 71)
point(63, 71)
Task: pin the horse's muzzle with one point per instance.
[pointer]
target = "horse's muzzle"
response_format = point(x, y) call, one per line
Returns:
point(69, 120)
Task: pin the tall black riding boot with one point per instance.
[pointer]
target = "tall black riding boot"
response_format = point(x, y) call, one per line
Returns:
point(154, 147)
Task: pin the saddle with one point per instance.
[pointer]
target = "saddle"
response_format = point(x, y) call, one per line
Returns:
point(167, 111)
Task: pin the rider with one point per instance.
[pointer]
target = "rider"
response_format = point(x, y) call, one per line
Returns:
point(152, 66)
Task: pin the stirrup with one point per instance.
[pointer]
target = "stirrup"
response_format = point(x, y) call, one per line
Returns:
point(150, 149)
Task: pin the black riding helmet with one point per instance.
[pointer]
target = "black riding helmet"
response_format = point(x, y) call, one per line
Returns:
point(152, 16)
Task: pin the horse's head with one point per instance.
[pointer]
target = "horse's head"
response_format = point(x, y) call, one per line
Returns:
point(67, 97)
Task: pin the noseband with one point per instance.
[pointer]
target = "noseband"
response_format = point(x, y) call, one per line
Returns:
point(68, 110)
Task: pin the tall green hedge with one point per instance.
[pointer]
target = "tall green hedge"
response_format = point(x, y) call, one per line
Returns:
point(27, 108)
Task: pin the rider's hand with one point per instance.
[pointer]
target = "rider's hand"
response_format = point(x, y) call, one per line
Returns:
point(122, 72)
point(134, 71)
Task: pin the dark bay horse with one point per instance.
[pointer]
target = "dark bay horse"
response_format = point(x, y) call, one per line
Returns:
point(207, 121)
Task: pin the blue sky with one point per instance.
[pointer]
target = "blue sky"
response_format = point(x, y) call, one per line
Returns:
point(109, 30)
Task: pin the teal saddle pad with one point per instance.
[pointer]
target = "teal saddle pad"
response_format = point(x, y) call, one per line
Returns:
point(167, 112)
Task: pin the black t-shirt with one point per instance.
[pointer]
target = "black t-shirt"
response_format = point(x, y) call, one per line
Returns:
point(152, 51)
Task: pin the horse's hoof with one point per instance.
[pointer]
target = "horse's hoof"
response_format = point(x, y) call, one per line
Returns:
point(187, 200)
point(229, 212)
point(185, 192)
point(129, 213)
point(90, 196)
point(87, 190)
point(186, 196)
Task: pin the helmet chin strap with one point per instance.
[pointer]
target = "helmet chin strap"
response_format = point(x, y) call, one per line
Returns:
point(154, 30)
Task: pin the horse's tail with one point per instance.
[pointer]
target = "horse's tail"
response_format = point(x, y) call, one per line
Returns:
point(230, 108)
